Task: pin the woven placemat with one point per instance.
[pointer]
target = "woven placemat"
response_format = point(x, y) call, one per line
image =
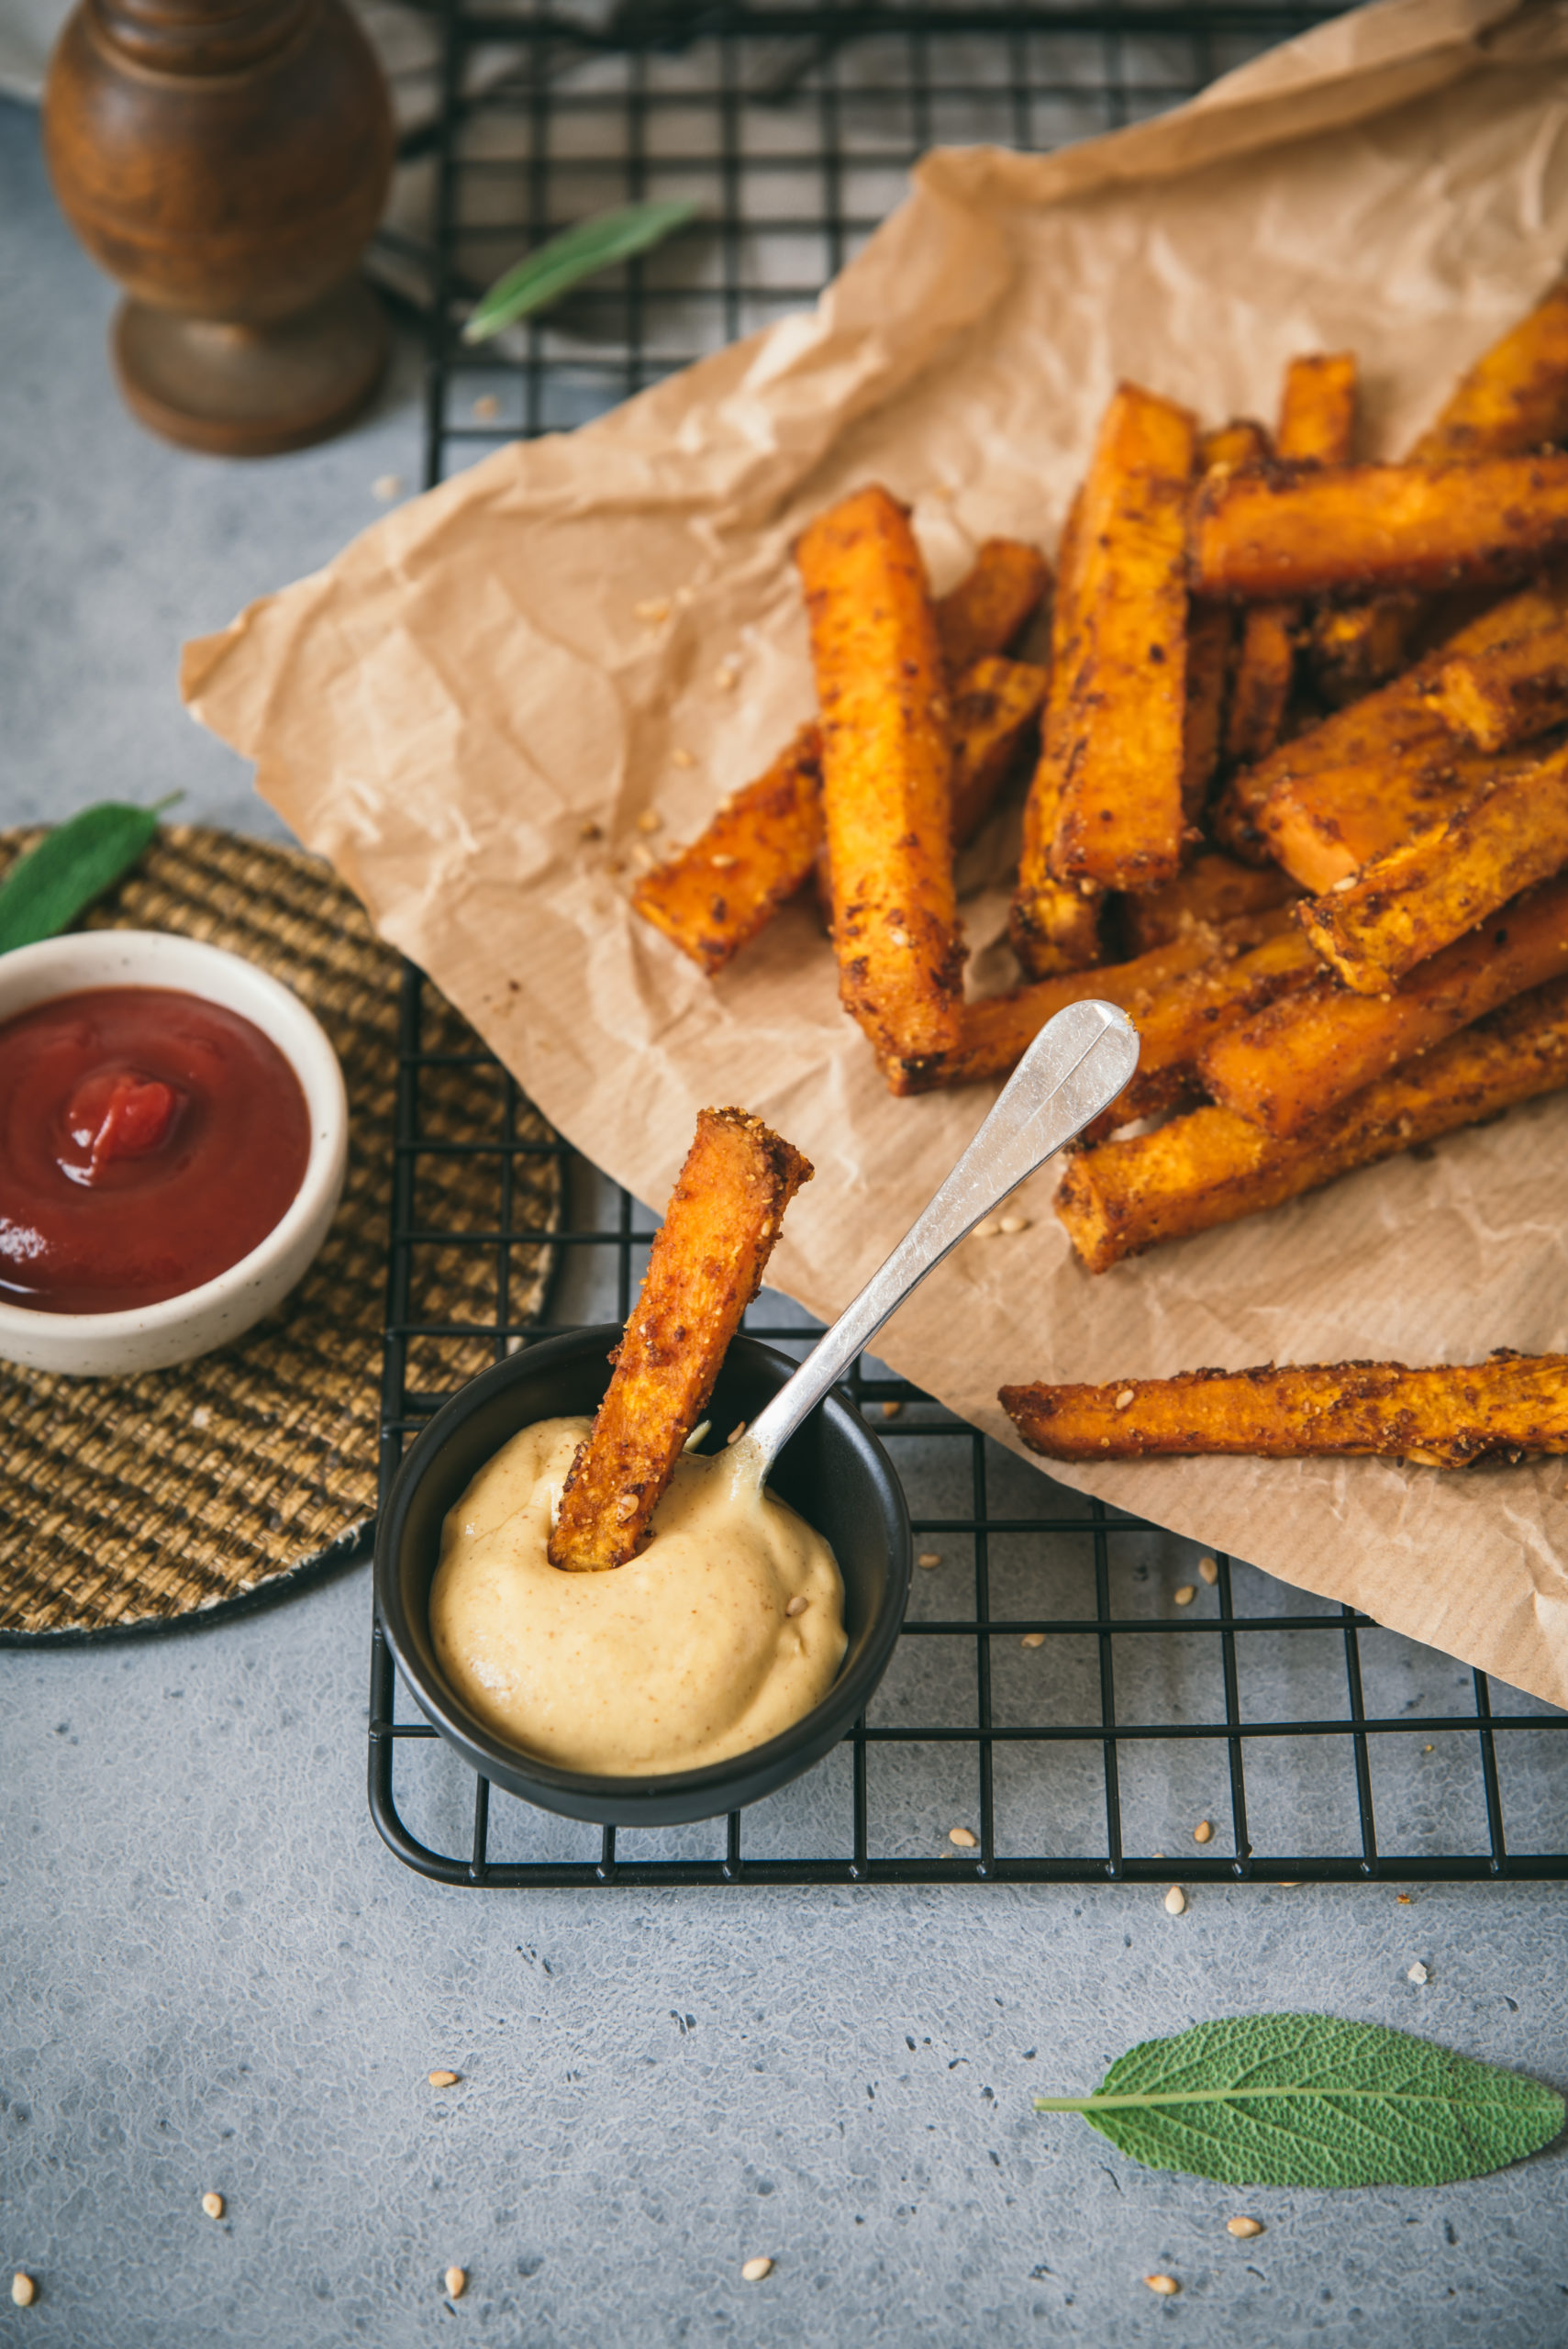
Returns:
point(130, 1501)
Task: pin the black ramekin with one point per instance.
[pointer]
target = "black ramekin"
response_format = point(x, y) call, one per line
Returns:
point(833, 1472)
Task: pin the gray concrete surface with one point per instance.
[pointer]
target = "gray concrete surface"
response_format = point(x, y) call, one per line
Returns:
point(215, 1977)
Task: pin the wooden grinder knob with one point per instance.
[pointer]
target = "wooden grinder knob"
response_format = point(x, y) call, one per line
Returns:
point(226, 162)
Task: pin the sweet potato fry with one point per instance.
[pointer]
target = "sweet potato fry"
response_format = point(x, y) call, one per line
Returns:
point(1298, 1059)
point(1055, 925)
point(988, 608)
point(995, 705)
point(1212, 888)
point(1508, 694)
point(1411, 903)
point(1370, 776)
point(887, 775)
point(705, 1268)
point(712, 896)
point(1212, 633)
point(1317, 425)
point(1213, 1167)
point(1445, 1418)
point(999, 1029)
point(1514, 399)
point(1346, 529)
point(1120, 742)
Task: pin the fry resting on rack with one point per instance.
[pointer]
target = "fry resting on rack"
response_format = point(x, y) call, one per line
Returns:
point(1317, 417)
point(886, 775)
point(1514, 399)
point(1298, 1059)
point(1411, 903)
point(1333, 531)
point(705, 1268)
point(1213, 1167)
point(1118, 731)
point(1444, 1418)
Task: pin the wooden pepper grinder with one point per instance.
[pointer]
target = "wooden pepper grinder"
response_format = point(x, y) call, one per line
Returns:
point(227, 161)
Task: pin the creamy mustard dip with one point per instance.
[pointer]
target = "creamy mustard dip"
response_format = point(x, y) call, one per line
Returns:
point(687, 1654)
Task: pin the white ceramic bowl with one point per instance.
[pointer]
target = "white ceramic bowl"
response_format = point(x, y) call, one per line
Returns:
point(151, 1336)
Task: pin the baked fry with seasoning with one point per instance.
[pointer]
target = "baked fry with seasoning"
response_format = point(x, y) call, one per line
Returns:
point(1508, 693)
point(1213, 888)
point(1212, 1167)
point(705, 1268)
point(882, 689)
point(1212, 634)
point(1055, 925)
point(1444, 1418)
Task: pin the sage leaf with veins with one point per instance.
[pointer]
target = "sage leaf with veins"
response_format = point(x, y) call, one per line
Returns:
point(1311, 2101)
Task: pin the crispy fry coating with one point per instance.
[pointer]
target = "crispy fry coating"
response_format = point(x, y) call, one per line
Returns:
point(705, 1268)
point(1348, 528)
point(711, 898)
point(1509, 693)
point(1213, 1167)
point(1514, 399)
point(1411, 903)
point(1445, 1418)
point(988, 608)
point(1055, 925)
point(999, 1029)
point(1317, 425)
point(887, 775)
point(1213, 633)
point(1122, 716)
point(1370, 776)
point(1212, 888)
point(1296, 1061)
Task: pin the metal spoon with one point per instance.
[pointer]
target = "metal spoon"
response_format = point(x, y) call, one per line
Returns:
point(1075, 1068)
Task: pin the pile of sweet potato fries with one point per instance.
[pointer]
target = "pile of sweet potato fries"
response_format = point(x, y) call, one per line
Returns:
point(1299, 796)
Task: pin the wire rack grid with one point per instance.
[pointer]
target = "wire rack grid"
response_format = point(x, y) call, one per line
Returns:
point(1081, 1696)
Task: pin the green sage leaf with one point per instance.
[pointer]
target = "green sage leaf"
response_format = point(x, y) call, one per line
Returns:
point(581, 252)
point(1310, 2101)
point(46, 889)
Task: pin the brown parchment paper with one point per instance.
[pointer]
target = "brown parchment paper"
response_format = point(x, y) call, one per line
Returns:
point(444, 708)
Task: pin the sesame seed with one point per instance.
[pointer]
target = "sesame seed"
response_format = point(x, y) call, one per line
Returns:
point(213, 2205)
point(1401, 1899)
point(898, 937)
point(755, 2270)
point(1011, 1223)
point(23, 2291)
point(721, 864)
point(736, 1433)
point(1126, 1400)
point(1244, 2229)
point(724, 680)
point(650, 821)
point(891, 1410)
point(988, 1229)
point(1166, 2285)
point(930, 1558)
point(652, 609)
point(456, 2283)
point(1204, 1831)
point(962, 1838)
point(1186, 1595)
point(1034, 1640)
point(797, 1605)
point(444, 2079)
point(679, 758)
point(1208, 1572)
point(1175, 1901)
point(643, 858)
point(485, 406)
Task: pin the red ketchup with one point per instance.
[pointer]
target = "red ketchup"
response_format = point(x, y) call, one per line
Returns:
point(148, 1141)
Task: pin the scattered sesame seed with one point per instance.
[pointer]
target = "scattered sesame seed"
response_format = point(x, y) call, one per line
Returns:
point(456, 2283)
point(1126, 1400)
point(1417, 1973)
point(1207, 1572)
point(679, 758)
point(1166, 2285)
point(485, 406)
point(988, 1229)
point(650, 821)
point(1175, 1901)
point(1427, 1749)
point(736, 1433)
point(1204, 1831)
point(930, 1558)
point(213, 2205)
point(1401, 1899)
point(1289, 1883)
point(643, 858)
point(962, 1838)
point(1244, 2229)
point(1011, 1223)
point(797, 1605)
point(23, 2291)
point(1186, 1595)
point(386, 486)
point(1348, 883)
point(1034, 1639)
point(899, 937)
point(891, 1410)
point(724, 679)
point(755, 2270)
point(652, 609)
point(445, 2079)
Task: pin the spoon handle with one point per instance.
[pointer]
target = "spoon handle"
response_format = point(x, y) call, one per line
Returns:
point(1075, 1068)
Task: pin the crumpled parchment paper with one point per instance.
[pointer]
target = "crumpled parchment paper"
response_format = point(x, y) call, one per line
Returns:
point(445, 709)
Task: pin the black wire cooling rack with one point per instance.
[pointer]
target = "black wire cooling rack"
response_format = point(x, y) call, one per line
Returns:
point(1080, 1695)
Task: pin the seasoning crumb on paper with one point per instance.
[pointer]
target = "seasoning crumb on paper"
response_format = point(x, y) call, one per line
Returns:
point(477, 619)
